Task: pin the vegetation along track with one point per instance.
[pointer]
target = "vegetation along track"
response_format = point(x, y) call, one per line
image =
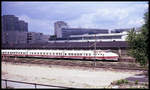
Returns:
point(81, 63)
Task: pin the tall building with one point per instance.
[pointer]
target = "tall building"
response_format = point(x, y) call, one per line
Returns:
point(14, 31)
point(58, 28)
point(12, 23)
point(14, 37)
point(23, 26)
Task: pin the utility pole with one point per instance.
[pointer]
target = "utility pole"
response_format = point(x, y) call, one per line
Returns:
point(95, 52)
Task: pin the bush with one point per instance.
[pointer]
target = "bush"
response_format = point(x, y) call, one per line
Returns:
point(122, 81)
point(136, 82)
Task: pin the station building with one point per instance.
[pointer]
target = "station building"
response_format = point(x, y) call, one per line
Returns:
point(62, 30)
point(93, 37)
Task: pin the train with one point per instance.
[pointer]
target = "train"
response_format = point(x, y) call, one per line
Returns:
point(72, 54)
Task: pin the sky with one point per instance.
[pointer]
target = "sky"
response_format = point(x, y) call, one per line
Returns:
point(41, 16)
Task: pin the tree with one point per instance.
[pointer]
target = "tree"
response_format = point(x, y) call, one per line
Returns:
point(138, 43)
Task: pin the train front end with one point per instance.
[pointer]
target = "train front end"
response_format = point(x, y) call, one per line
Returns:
point(111, 56)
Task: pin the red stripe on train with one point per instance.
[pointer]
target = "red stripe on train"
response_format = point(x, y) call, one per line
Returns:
point(82, 57)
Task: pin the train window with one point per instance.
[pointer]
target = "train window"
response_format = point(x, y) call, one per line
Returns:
point(89, 54)
point(65, 54)
point(53, 53)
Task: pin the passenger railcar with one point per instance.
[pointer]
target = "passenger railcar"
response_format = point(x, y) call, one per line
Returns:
point(75, 54)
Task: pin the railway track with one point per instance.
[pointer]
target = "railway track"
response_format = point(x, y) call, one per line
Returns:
point(90, 64)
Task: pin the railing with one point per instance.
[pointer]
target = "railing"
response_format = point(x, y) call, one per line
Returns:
point(34, 85)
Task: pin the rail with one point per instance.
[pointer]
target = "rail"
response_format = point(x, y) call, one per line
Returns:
point(34, 84)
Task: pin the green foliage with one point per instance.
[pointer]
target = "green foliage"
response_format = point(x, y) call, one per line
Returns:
point(122, 81)
point(139, 43)
point(136, 82)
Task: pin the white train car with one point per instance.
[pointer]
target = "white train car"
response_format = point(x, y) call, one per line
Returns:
point(75, 54)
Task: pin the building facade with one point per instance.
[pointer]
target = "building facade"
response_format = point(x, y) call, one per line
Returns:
point(67, 32)
point(63, 31)
point(120, 30)
point(14, 37)
point(34, 37)
point(94, 37)
point(12, 23)
point(58, 28)
point(14, 31)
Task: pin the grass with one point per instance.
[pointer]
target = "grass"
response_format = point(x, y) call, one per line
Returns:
point(126, 84)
